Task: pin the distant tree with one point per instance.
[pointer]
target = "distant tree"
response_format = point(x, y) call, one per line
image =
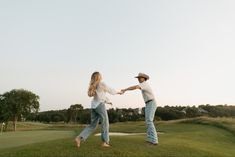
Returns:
point(85, 116)
point(73, 111)
point(4, 112)
point(192, 112)
point(57, 117)
point(44, 117)
point(18, 103)
point(169, 113)
point(113, 116)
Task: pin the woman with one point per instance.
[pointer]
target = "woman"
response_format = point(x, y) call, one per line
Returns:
point(150, 108)
point(97, 90)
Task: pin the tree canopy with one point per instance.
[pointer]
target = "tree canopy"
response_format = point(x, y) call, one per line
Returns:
point(18, 103)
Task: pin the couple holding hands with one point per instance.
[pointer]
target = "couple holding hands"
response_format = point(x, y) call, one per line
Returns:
point(98, 89)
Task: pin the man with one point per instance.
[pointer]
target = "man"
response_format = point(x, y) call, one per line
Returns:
point(150, 108)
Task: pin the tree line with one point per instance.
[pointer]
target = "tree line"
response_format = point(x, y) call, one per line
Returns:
point(77, 114)
point(23, 105)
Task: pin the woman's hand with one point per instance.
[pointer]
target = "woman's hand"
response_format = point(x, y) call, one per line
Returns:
point(123, 91)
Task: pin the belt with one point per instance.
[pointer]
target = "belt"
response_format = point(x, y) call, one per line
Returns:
point(148, 101)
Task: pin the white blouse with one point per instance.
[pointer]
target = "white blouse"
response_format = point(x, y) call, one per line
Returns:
point(100, 96)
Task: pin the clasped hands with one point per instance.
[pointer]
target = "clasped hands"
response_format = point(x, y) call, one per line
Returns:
point(122, 92)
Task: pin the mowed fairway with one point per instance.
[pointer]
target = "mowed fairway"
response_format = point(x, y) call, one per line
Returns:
point(177, 139)
point(14, 139)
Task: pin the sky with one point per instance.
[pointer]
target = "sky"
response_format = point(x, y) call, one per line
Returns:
point(51, 47)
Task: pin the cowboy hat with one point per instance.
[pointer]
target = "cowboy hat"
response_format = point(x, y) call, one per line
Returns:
point(142, 75)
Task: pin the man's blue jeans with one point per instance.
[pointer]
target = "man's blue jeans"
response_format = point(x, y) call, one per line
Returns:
point(150, 110)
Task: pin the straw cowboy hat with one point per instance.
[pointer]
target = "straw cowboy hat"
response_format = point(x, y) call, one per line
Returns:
point(143, 75)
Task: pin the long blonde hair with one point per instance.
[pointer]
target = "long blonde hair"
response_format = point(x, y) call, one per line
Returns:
point(95, 80)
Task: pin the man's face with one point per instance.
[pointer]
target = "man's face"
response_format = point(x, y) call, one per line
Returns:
point(141, 79)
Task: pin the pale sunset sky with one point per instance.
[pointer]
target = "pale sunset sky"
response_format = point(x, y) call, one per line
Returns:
point(51, 47)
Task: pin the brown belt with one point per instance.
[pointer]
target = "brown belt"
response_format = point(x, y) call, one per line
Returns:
point(148, 101)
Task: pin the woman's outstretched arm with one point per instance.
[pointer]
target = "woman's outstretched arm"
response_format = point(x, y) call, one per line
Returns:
point(111, 90)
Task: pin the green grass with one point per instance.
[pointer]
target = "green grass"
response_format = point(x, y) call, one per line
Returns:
point(27, 126)
point(179, 140)
point(14, 139)
point(221, 122)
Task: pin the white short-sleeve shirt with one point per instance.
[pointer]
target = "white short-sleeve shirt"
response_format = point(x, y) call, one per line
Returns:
point(146, 91)
point(100, 96)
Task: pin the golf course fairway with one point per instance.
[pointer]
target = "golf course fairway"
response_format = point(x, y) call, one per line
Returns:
point(176, 139)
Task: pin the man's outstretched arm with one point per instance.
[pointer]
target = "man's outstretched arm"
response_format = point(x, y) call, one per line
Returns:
point(131, 88)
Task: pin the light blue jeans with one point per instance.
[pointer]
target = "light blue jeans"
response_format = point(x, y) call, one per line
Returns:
point(99, 113)
point(150, 110)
